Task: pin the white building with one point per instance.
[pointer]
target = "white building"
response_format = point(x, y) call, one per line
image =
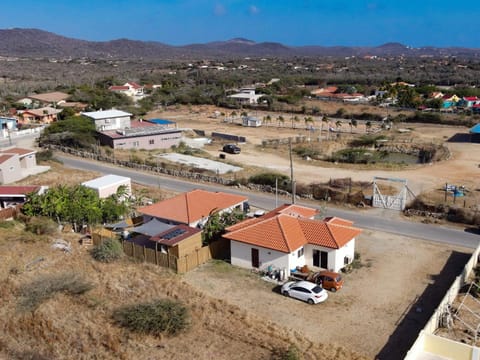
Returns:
point(246, 96)
point(109, 119)
point(108, 185)
point(289, 237)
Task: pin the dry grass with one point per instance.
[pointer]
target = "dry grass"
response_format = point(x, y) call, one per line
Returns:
point(65, 326)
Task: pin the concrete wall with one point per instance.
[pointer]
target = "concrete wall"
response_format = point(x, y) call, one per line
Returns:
point(241, 255)
point(148, 142)
point(442, 348)
point(10, 170)
point(28, 161)
point(434, 322)
point(120, 122)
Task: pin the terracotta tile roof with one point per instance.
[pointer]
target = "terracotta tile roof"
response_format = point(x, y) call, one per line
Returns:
point(287, 233)
point(55, 96)
point(134, 85)
point(118, 88)
point(192, 206)
point(17, 190)
point(338, 221)
point(287, 209)
point(17, 150)
point(327, 234)
point(296, 210)
point(470, 98)
point(282, 233)
point(5, 157)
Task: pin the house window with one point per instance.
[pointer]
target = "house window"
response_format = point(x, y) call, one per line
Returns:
point(346, 260)
point(151, 141)
point(300, 252)
point(136, 143)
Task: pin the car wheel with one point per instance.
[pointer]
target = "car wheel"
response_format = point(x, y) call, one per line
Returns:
point(310, 301)
point(333, 289)
point(285, 293)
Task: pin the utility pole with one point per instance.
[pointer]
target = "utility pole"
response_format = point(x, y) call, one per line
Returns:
point(291, 170)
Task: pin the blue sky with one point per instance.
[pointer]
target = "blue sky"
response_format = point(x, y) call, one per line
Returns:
point(297, 22)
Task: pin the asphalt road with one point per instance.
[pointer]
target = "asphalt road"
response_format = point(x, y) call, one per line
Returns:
point(382, 220)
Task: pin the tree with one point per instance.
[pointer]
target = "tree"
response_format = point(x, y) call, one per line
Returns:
point(353, 123)
point(295, 121)
point(324, 121)
point(280, 120)
point(215, 226)
point(308, 121)
point(368, 126)
point(338, 124)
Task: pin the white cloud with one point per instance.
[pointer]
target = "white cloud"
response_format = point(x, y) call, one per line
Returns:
point(253, 10)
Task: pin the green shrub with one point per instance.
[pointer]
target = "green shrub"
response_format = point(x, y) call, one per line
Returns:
point(44, 155)
point(269, 179)
point(7, 224)
point(41, 225)
point(161, 316)
point(366, 140)
point(45, 287)
point(292, 353)
point(108, 251)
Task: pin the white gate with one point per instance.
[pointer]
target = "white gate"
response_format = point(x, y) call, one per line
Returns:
point(393, 202)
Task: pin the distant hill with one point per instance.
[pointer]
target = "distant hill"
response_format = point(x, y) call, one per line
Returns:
point(39, 43)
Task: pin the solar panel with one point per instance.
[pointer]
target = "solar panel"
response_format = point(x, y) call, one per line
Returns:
point(174, 233)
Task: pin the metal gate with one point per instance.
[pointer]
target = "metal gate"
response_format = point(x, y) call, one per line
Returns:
point(393, 202)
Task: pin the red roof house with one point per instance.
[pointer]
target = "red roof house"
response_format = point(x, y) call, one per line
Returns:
point(287, 241)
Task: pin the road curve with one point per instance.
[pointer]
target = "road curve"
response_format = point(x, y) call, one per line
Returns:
point(362, 218)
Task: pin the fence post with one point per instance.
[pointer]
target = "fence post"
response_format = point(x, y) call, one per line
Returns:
point(133, 250)
point(144, 254)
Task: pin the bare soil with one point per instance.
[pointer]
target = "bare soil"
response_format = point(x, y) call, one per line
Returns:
point(396, 276)
point(81, 326)
point(462, 168)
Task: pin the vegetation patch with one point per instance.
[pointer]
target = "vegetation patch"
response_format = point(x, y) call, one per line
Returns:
point(45, 287)
point(41, 225)
point(155, 318)
point(270, 178)
point(108, 251)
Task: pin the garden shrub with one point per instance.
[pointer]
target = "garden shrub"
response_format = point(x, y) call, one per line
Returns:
point(45, 287)
point(269, 179)
point(108, 251)
point(155, 318)
point(41, 225)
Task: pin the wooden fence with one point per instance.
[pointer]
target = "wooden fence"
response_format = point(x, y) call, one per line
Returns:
point(10, 212)
point(217, 250)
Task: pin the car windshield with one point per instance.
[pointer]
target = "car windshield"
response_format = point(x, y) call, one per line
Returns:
point(317, 289)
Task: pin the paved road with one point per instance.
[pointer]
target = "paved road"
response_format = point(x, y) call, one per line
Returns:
point(376, 219)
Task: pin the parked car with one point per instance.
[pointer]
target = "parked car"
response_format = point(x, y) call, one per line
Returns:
point(305, 291)
point(329, 280)
point(231, 149)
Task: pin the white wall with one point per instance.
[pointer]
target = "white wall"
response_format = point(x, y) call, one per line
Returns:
point(335, 256)
point(241, 255)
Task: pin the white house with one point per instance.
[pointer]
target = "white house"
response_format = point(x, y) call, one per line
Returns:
point(108, 185)
point(251, 121)
point(246, 96)
point(109, 119)
point(130, 89)
point(289, 237)
point(193, 208)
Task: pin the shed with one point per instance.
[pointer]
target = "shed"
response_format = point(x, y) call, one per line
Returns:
point(108, 185)
point(251, 121)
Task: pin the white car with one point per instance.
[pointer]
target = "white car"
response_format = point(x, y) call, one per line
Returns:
point(305, 290)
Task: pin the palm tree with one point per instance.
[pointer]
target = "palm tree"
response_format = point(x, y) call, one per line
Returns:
point(338, 124)
point(295, 120)
point(267, 119)
point(324, 121)
point(280, 120)
point(308, 120)
point(368, 126)
point(352, 123)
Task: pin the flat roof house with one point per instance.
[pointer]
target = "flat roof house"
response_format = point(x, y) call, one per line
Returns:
point(246, 96)
point(109, 119)
point(108, 185)
point(16, 163)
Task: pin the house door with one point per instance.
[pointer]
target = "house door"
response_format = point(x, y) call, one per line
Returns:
point(324, 259)
point(316, 258)
point(255, 258)
point(320, 259)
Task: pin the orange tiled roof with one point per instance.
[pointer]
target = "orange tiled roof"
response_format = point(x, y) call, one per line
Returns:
point(338, 221)
point(287, 209)
point(287, 233)
point(17, 150)
point(282, 233)
point(327, 234)
point(192, 206)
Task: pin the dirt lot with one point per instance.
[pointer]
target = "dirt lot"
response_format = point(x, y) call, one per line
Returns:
point(81, 326)
point(461, 169)
point(381, 308)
